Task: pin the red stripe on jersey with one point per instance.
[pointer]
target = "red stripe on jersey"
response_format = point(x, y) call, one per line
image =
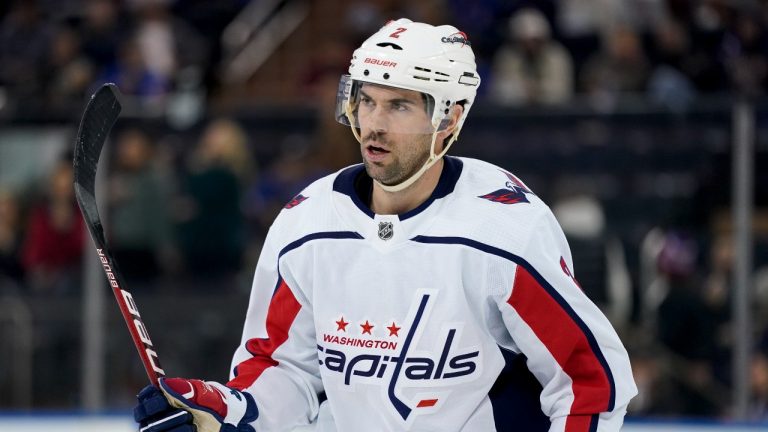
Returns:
point(426, 403)
point(578, 423)
point(282, 312)
point(568, 345)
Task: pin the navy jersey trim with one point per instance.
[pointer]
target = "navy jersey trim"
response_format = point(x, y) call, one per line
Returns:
point(448, 177)
point(593, 422)
point(547, 287)
point(345, 184)
point(317, 236)
point(336, 235)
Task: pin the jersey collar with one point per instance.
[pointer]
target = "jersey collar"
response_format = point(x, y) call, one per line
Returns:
point(345, 184)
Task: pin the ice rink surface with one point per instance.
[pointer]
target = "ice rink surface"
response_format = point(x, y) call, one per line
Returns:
point(124, 423)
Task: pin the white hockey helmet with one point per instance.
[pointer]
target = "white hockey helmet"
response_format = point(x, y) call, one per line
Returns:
point(435, 61)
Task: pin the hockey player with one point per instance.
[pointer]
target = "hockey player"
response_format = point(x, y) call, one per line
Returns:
point(385, 293)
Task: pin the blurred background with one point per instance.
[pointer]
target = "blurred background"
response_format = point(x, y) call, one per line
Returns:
point(643, 123)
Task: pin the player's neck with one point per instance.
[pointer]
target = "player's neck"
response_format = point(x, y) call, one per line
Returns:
point(383, 202)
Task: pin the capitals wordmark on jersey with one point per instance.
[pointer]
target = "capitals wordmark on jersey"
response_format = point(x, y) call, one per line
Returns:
point(395, 369)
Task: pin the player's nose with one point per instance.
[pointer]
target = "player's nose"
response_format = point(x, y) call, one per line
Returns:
point(378, 121)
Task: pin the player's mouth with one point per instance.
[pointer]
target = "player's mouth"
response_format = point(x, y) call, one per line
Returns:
point(375, 154)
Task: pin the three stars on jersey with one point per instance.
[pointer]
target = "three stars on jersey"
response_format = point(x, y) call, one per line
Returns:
point(367, 327)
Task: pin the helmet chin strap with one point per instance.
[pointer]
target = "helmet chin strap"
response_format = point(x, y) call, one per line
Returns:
point(433, 158)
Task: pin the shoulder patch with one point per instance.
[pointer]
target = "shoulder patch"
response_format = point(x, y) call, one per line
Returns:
point(515, 192)
point(506, 196)
point(298, 199)
point(515, 183)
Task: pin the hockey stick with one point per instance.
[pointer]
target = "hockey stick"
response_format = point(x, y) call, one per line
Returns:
point(99, 117)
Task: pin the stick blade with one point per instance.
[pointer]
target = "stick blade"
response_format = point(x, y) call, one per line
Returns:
point(98, 118)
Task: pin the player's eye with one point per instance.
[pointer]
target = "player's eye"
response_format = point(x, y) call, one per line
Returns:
point(400, 107)
point(365, 100)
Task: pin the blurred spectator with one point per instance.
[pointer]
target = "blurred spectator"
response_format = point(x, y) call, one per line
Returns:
point(686, 328)
point(10, 237)
point(577, 18)
point(24, 40)
point(166, 43)
point(746, 52)
point(581, 27)
point(362, 18)
point(707, 21)
point(677, 265)
point(532, 68)
point(759, 380)
point(53, 246)
point(69, 72)
point(619, 68)
point(133, 77)
point(102, 31)
point(140, 227)
point(211, 228)
point(657, 393)
point(669, 83)
point(717, 296)
point(598, 257)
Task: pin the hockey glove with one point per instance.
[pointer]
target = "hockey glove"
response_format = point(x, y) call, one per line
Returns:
point(155, 414)
point(214, 407)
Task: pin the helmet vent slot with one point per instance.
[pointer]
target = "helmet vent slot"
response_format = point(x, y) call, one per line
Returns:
point(422, 69)
point(389, 45)
point(442, 73)
point(421, 78)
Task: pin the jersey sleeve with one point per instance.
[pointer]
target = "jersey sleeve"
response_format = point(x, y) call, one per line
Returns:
point(570, 346)
point(276, 361)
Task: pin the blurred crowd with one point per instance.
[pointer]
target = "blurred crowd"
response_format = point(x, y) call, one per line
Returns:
point(192, 215)
point(682, 353)
point(54, 53)
point(169, 211)
point(669, 51)
point(546, 52)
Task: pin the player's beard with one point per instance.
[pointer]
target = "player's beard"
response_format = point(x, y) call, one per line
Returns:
point(407, 159)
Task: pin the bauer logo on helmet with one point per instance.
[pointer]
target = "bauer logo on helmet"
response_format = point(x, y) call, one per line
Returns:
point(380, 62)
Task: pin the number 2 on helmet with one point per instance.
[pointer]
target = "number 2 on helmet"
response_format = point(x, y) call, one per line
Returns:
point(396, 33)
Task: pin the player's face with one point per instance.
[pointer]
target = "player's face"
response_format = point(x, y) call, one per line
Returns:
point(391, 156)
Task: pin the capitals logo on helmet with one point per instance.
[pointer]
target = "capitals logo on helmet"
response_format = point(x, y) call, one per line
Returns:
point(458, 37)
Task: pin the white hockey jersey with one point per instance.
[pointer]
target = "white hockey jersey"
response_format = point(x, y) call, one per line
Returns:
point(400, 319)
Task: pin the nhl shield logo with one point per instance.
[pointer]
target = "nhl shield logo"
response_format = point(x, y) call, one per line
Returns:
point(385, 230)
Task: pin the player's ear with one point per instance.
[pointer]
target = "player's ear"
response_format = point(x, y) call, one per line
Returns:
point(456, 113)
point(453, 121)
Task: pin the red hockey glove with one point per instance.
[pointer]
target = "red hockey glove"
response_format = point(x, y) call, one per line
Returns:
point(215, 407)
